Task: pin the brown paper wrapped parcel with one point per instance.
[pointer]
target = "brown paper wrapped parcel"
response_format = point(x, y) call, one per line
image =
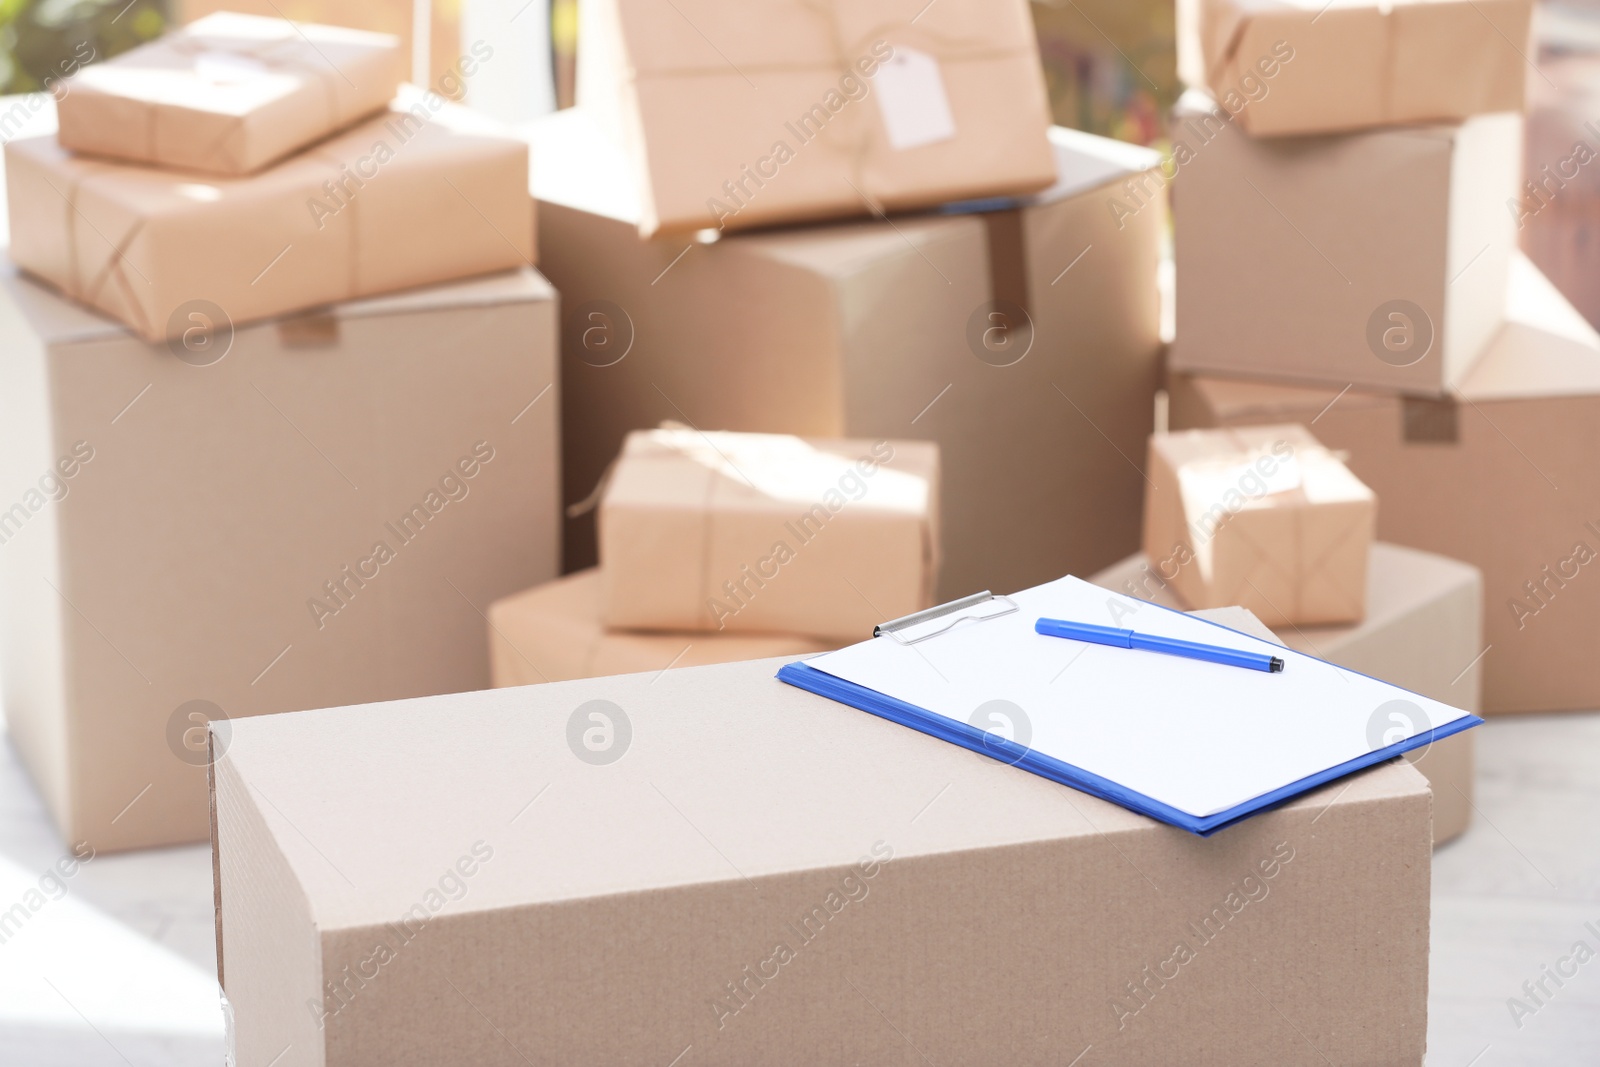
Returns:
point(770, 533)
point(1423, 631)
point(426, 193)
point(1263, 517)
point(229, 94)
point(800, 109)
point(1309, 66)
point(554, 633)
point(1500, 474)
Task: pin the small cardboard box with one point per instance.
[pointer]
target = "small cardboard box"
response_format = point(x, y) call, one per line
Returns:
point(554, 633)
point(1376, 258)
point(313, 512)
point(736, 113)
point(1263, 517)
point(1310, 66)
point(1423, 631)
point(428, 192)
point(1499, 474)
point(1025, 342)
point(767, 533)
point(229, 94)
point(753, 871)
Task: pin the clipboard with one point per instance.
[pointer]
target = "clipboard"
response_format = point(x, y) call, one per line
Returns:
point(978, 643)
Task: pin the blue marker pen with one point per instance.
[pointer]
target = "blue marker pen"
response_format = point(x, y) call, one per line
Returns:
point(1109, 635)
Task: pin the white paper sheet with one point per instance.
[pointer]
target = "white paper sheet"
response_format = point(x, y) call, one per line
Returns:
point(1201, 737)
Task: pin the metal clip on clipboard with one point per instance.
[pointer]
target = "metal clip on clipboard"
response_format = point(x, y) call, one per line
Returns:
point(979, 607)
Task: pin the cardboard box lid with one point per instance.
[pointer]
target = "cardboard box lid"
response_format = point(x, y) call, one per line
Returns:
point(726, 774)
point(1544, 349)
point(58, 320)
point(1196, 102)
point(592, 173)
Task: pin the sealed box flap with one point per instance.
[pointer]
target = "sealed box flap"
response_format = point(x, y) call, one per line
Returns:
point(724, 774)
point(738, 38)
point(1195, 102)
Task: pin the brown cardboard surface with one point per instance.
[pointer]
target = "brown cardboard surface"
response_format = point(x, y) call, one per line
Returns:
point(866, 330)
point(420, 195)
point(738, 114)
point(229, 93)
point(767, 533)
point(1359, 65)
point(512, 884)
point(1423, 631)
point(1294, 255)
point(205, 511)
point(1293, 553)
point(554, 633)
point(1512, 445)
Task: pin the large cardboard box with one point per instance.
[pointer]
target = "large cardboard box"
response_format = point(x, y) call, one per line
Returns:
point(751, 533)
point(1025, 342)
point(1356, 65)
point(754, 872)
point(1377, 258)
point(1423, 631)
point(554, 633)
point(424, 193)
point(1499, 474)
point(741, 113)
point(315, 513)
point(1261, 517)
point(229, 94)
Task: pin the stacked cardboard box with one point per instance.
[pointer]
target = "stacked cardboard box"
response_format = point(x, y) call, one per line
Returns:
point(1345, 234)
point(1024, 341)
point(257, 494)
point(721, 546)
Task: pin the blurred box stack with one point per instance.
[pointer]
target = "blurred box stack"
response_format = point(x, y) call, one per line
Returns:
point(718, 546)
point(1019, 330)
point(1346, 235)
point(320, 443)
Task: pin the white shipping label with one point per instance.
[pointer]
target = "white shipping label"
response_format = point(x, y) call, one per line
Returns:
point(911, 98)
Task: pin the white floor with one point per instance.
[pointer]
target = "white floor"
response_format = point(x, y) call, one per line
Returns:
point(118, 967)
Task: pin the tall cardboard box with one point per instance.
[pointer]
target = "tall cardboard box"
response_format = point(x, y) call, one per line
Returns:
point(315, 513)
point(907, 328)
point(1377, 258)
point(761, 875)
point(1500, 474)
point(1423, 631)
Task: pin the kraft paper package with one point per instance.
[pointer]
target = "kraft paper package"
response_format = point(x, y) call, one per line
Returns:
point(427, 192)
point(1309, 66)
point(1263, 517)
point(741, 113)
point(1024, 341)
point(1423, 631)
point(753, 533)
point(294, 514)
point(228, 94)
point(1514, 442)
point(554, 633)
point(1377, 258)
point(758, 859)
